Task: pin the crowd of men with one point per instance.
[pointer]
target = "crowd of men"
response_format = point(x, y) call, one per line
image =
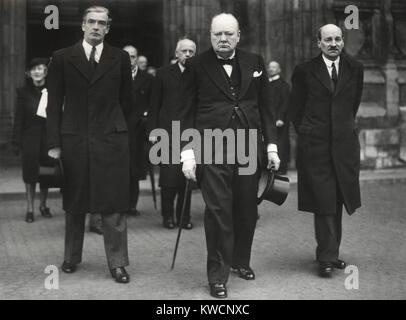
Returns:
point(103, 106)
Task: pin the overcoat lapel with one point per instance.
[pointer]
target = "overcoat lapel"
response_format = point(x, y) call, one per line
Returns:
point(107, 61)
point(321, 73)
point(344, 74)
point(78, 59)
point(175, 72)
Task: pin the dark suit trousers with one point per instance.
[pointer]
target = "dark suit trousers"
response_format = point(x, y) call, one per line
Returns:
point(230, 216)
point(168, 195)
point(114, 227)
point(328, 230)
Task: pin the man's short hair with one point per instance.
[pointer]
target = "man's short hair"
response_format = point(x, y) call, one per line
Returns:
point(97, 9)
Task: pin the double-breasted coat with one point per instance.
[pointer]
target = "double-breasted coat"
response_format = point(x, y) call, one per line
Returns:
point(87, 113)
point(141, 88)
point(165, 98)
point(328, 159)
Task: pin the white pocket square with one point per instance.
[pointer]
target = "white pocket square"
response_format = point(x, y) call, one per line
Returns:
point(257, 74)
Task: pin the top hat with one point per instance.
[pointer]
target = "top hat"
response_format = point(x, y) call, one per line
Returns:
point(276, 189)
point(51, 175)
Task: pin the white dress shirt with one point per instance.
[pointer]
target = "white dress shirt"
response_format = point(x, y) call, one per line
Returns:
point(329, 64)
point(181, 67)
point(134, 72)
point(88, 50)
point(227, 67)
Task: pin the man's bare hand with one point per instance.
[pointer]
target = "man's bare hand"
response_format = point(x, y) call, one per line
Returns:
point(55, 153)
point(273, 160)
point(189, 169)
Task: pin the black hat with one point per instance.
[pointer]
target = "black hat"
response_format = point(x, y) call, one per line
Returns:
point(37, 61)
point(276, 189)
point(51, 175)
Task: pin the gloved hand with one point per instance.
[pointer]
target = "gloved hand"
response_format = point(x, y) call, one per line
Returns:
point(189, 169)
point(273, 160)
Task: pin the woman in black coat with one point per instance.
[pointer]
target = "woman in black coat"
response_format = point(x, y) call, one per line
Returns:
point(29, 134)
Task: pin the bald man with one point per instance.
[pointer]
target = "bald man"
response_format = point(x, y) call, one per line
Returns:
point(164, 100)
point(326, 93)
point(279, 91)
point(226, 88)
point(141, 88)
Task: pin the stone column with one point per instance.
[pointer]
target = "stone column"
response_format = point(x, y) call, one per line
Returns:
point(12, 60)
point(187, 18)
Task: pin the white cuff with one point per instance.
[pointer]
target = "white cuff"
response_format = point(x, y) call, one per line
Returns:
point(272, 148)
point(187, 155)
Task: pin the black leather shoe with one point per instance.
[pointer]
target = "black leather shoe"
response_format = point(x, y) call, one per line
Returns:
point(97, 230)
point(45, 212)
point(326, 269)
point(120, 275)
point(68, 267)
point(188, 226)
point(29, 217)
point(339, 264)
point(218, 290)
point(168, 224)
point(244, 273)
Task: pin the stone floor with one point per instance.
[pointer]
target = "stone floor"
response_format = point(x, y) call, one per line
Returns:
point(282, 257)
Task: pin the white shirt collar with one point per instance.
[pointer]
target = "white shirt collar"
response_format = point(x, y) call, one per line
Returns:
point(134, 71)
point(88, 49)
point(275, 77)
point(328, 62)
point(181, 67)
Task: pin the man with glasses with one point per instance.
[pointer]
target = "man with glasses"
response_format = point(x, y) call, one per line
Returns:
point(89, 98)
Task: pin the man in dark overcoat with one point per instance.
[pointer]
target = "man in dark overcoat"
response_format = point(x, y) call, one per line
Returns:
point(165, 98)
point(225, 88)
point(89, 100)
point(326, 93)
point(279, 91)
point(141, 87)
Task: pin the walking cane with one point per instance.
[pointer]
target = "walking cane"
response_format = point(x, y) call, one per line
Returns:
point(180, 223)
point(152, 177)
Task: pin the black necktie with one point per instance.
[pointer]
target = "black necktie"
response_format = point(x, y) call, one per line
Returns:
point(334, 74)
point(92, 60)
